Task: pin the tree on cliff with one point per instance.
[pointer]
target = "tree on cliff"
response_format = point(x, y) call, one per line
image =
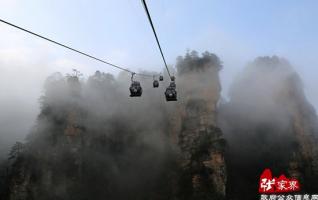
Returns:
point(193, 62)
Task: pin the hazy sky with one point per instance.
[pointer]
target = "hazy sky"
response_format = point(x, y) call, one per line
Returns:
point(118, 31)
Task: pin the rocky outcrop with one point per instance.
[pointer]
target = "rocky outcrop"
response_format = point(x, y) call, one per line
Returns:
point(200, 141)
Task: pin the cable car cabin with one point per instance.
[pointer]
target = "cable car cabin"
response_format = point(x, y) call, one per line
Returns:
point(173, 78)
point(171, 94)
point(173, 85)
point(160, 78)
point(155, 83)
point(135, 89)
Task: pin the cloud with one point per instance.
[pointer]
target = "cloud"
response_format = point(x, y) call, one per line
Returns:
point(24, 66)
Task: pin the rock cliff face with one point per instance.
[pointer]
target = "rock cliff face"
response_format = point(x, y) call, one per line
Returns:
point(268, 123)
point(303, 164)
point(200, 141)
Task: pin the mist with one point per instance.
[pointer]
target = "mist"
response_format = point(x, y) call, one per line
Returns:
point(260, 122)
point(21, 88)
point(124, 137)
point(91, 131)
point(24, 67)
point(86, 130)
